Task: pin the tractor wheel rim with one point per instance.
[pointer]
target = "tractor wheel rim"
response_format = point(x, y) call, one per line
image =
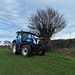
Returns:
point(14, 49)
point(25, 51)
point(40, 51)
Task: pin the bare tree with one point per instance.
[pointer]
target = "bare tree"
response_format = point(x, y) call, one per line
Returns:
point(47, 22)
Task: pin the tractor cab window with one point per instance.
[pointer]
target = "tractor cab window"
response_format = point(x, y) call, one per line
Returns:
point(29, 35)
point(19, 37)
point(26, 35)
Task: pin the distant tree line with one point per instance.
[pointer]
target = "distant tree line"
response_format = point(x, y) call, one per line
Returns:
point(6, 42)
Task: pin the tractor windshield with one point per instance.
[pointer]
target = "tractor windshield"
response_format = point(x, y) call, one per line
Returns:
point(26, 35)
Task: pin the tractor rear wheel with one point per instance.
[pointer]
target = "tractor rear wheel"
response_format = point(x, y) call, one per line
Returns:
point(14, 48)
point(41, 51)
point(26, 50)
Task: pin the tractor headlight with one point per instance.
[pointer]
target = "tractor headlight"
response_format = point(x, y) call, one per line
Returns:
point(34, 41)
point(28, 40)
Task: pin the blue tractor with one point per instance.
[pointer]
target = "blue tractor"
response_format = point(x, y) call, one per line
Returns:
point(26, 43)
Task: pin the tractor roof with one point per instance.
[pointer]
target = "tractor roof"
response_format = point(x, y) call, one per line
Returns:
point(23, 32)
point(26, 32)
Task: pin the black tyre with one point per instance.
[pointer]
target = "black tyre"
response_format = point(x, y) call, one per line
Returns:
point(26, 50)
point(41, 51)
point(14, 48)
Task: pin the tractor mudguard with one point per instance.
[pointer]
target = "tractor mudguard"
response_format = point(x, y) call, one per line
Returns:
point(17, 41)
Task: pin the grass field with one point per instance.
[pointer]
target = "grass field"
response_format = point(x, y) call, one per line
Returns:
point(49, 64)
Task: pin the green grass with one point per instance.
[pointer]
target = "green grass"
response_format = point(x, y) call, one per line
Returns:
point(66, 51)
point(49, 64)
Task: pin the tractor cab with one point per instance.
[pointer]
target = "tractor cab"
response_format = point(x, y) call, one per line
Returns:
point(24, 36)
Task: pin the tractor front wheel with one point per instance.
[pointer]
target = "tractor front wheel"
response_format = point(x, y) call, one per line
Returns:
point(14, 48)
point(26, 50)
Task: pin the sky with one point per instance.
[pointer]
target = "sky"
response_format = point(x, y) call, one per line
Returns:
point(14, 16)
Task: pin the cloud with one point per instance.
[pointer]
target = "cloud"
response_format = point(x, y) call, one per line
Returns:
point(64, 36)
point(12, 17)
point(14, 14)
point(13, 11)
point(67, 33)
